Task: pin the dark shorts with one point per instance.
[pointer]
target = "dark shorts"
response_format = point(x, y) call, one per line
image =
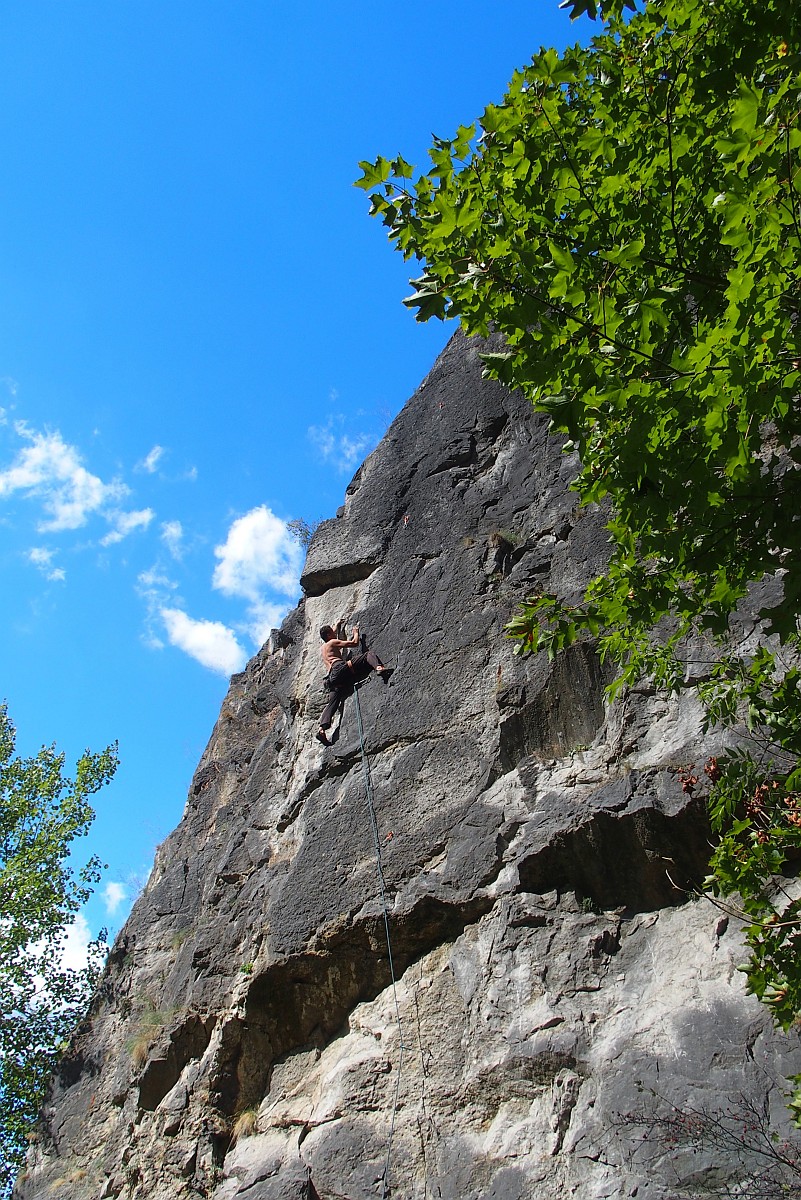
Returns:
point(338, 677)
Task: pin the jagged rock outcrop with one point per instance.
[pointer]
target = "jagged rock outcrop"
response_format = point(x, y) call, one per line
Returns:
point(555, 984)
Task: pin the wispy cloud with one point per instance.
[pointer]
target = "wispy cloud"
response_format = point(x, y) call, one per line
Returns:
point(154, 582)
point(172, 534)
point(151, 461)
point(210, 643)
point(259, 556)
point(42, 559)
point(12, 387)
point(51, 471)
point(157, 590)
point(113, 896)
point(336, 445)
point(126, 522)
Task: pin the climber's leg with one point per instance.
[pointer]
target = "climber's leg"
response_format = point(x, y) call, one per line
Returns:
point(330, 709)
point(363, 664)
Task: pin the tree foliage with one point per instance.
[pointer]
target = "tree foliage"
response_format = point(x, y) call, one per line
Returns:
point(42, 812)
point(628, 217)
point(755, 1162)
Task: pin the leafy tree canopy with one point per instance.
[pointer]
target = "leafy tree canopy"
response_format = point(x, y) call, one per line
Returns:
point(42, 812)
point(628, 217)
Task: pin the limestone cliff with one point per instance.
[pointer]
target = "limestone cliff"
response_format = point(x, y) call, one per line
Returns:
point(554, 982)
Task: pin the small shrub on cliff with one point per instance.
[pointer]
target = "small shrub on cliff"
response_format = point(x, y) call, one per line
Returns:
point(245, 1125)
point(727, 1151)
point(303, 531)
point(149, 1024)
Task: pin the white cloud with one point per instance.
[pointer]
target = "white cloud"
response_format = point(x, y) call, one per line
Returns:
point(52, 471)
point(151, 460)
point(172, 535)
point(43, 560)
point(259, 554)
point(125, 523)
point(113, 896)
point(338, 447)
point(75, 946)
point(263, 618)
point(210, 643)
point(70, 948)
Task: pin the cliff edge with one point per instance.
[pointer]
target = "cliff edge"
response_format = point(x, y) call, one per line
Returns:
point(556, 984)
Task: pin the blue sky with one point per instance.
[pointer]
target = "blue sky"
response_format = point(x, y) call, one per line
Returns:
point(201, 337)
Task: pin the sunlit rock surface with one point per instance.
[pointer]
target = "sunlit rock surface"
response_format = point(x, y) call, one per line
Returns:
point(555, 985)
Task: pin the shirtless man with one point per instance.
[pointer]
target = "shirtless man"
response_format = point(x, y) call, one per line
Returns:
point(343, 674)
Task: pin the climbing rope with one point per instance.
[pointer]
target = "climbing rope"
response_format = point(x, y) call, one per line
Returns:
point(368, 791)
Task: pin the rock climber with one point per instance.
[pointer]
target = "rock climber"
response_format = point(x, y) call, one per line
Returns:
point(344, 673)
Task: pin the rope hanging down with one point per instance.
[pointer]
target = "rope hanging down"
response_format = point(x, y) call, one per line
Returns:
point(368, 791)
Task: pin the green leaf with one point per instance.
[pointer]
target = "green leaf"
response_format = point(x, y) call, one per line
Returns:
point(745, 109)
point(577, 8)
point(562, 258)
point(373, 173)
point(401, 168)
point(628, 254)
point(492, 119)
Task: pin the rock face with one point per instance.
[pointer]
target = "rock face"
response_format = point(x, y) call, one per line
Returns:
point(556, 990)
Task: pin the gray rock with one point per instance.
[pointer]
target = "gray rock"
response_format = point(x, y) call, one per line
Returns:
point(557, 992)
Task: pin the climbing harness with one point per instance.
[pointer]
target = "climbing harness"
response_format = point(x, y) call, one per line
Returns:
point(368, 791)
